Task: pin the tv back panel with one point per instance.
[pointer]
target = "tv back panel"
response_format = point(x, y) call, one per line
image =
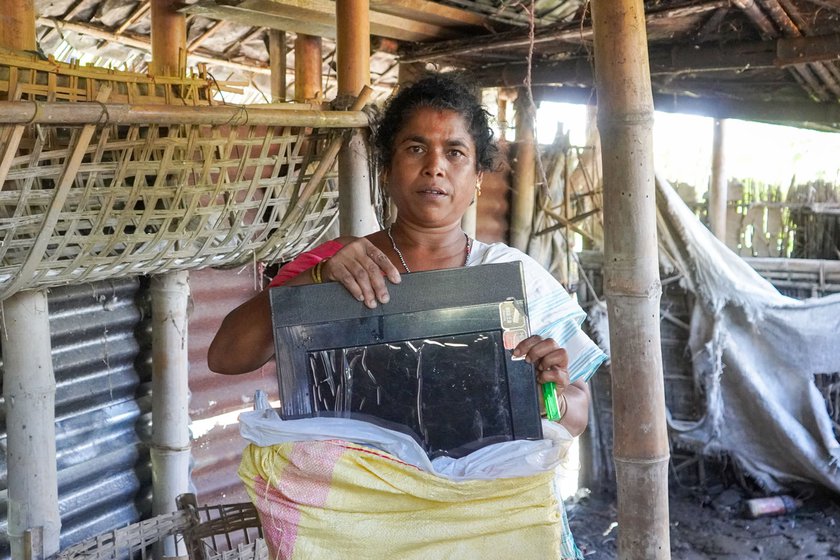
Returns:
point(435, 362)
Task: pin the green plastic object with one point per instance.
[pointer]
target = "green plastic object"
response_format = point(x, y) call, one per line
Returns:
point(552, 410)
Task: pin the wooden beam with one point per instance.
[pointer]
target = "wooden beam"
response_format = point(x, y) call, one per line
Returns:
point(577, 32)
point(739, 57)
point(141, 10)
point(820, 116)
point(429, 12)
point(142, 43)
point(317, 17)
point(207, 33)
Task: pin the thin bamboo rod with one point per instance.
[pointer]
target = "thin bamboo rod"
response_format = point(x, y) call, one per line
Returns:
point(356, 214)
point(631, 278)
point(524, 192)
point(34, 112)
point(29, 393)
point(718, 191)
point(308, 68)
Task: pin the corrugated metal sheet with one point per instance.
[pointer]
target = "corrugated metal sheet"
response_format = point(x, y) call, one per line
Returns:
point(101, 358)
point(493, 207)
point(217, 447)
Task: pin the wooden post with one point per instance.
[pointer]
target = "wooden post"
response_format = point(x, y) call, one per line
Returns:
point(277, 61)
point(28, 379)
point(524, 190)
point(631, 278)
point(170, 449)
point(308, 68)
point(17, 26)
point(29, 392)
point(169, 39)
point(355, 208)
point(718, 189)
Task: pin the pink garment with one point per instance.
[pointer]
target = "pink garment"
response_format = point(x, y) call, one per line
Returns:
point(305, 261)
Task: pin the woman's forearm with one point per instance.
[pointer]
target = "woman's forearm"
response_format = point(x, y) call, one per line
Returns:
point(576, 416)
point(245, 340)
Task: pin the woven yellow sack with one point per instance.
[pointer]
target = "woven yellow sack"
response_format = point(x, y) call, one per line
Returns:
point(334, 499)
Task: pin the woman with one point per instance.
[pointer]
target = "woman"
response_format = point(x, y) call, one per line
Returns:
point(434, 145)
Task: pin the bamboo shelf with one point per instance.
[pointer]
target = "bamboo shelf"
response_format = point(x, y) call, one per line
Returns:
point(114, 174)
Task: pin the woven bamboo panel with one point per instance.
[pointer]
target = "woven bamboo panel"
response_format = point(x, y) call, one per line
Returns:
point(25, 76)
point(147, 199)
point(94, 201)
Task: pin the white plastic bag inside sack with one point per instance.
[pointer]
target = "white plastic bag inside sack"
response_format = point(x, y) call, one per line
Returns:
point(510, 459)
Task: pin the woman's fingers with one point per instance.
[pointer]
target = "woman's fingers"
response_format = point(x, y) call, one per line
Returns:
point(359, 267)
point(550, 361)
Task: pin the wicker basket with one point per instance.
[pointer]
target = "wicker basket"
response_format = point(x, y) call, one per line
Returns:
point(133, 541)
point(92, 201)
point(222, 531)
point(210, 532)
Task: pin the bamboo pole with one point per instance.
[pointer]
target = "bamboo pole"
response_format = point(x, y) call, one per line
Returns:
point(308, 68)
point(169, 39)
point(28, 376)
point(277, 61)
point(29, 393)
point(17, 25)
point(524, 191)
point(631, 277)
point(355, 208)
point(718, 189)
point(34, 112)
point(170, 448)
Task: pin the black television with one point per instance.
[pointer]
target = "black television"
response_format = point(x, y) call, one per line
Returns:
point(435, 362)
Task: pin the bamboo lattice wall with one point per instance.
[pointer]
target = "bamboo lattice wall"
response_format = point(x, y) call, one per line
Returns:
point(191, 187)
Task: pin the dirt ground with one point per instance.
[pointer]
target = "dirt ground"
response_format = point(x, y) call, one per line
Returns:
point(712, 524)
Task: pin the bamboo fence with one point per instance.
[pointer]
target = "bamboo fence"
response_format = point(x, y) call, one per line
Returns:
point(108, 173)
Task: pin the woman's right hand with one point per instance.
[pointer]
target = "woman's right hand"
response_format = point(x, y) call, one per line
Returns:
point(361, 268)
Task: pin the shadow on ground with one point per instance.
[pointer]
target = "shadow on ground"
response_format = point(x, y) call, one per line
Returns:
point(713, 524)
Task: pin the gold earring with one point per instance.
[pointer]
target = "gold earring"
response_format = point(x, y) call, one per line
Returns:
point(478, 187)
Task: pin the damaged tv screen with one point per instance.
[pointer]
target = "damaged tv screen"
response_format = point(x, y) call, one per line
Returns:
point(435, 362)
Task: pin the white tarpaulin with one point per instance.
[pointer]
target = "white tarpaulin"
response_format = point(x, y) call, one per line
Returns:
point(755, 354)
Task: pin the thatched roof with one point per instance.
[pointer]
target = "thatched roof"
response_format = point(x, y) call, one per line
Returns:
point(773, 60)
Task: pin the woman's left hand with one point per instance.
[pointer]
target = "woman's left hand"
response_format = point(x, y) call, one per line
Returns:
point(551, 363)
point(550, 360)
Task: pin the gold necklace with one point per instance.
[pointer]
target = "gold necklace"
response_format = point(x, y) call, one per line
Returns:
point(402, 259)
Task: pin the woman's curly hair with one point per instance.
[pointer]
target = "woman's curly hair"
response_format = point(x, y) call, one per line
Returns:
point(436, 91)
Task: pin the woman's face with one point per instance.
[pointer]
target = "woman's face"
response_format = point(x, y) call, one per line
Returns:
point(432, 177)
